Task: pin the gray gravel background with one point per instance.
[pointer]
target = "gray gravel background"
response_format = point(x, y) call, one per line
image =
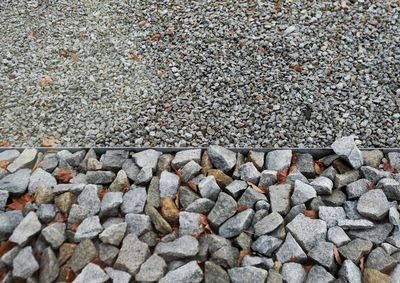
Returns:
point(221, 72)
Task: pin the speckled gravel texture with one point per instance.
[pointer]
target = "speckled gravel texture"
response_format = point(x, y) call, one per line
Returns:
point(180, 73)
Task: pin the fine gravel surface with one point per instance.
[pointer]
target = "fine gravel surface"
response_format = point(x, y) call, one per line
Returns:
point(191, 73)
point(212, 215)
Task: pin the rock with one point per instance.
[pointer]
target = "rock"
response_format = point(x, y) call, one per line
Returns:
point(224, 208)
point(187, 196)
point(65, 252)
point(307, 238)
point(144, 176)
point(331, 215)
point(147, 158)
point(226, 256)
point(268, 178)
point(72, 188)
point(390, 187)
point(152, 270)
point(389, 249)
point(322, 185)
point(378, 259)
point(262, 204)
point(236, 188)
point(337, 236)
point(302, 193)
point(290, 250)
point(346, 148)
point(373, 276)
point(258, 261)
point(108, 253)
point(28, 227)
point(394, 159)
point(131, 169)
point(206, 163)
point(183, 247)
point(243, 241)
point(280, 198)
point(49, 268)
point(372, 158)
point(3, 199)
point(93, 164)
point(377, 234)
point(92, 273)
point(209, 188)
point(305, 164)
point(322, 253)
point(247, 274)
point(113, 234)
point(169, 210)
point(113, 159)
point(266, 245)
point(337, 198)
point(344, 179)
point(40, 178)
point(319, 274)
point(216, 242)
point(373, 205)
point(236, 224)
point(356, 189)
point(110, 203)
point(160, 224)
point(274, 277)
point(137, 224)
point(189, 272)
point(118, 275)
point(43, 195)
point(153, 192)
point(350, 272)
point(355, 249)
point(164, 163)
point(190, 170)
point(257, 158)
point(190, 223)
point(293, 273)
point(25, 264)
point(355, 224)
point(294, 211)
point(134, 200)
point(374, 175)
point(214, 273)
point(77, 214)
point(54, 234)
point(249, 172)
point(132, 254)
point(395, 275)
point(169, 184)
point(222, 179)
point(100, 177)
point(222, 158)
point(89, 199)
point(394, 216)
point(9, 155)
point(201, 205)
point(16, 183)
point(329, 173)
point(268, 224)
point(350, 207)
point(250, 197)
point(25, 159)
point(185, 156)
point(89, 228)
point(91, 154)
point(120, 182)
point(295, 175)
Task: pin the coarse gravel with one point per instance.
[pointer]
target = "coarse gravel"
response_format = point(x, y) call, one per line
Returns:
point(194, 73)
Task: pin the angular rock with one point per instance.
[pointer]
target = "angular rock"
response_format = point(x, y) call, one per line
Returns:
point(131, 169)
point(54, 234)
point(40, 178)
point(108, 253)
point(209, 188)
point(350, 272)
point(137, 224)
point(187, 196)
point(249, 172)
point(93, 164)
point(185, 156)
point(49, 268)
point(16, 183)
point(89, 228)
point(160, 224)
point(147, 158)
point(372, 158)
point(374, 175)
point(294, 211)
point(338, 236)
point(257, 261)
point(322, 185)
point(144, 176)
point(355, 249)
point(71, 188)
point(214, 273)
point(224, 208)
point(25, 264)
point(226, 256)
point(118, 275)
point(247, 274)
point(25, 159)
point(134, 200)
point(376, 234)
point(201, 205)
point(113, 159)
point(100, 177)
point(266, 245)
point(46, 212)
point(65, 252)
point(378, 259)
point(268, 178)
point(190, 170)
point(183, 247)
point(319, 274)
point(394, 159)
point(355, 224)
point(278, 160)
point(329, 173)
point(164, 163)
point(295, 175)
point(3, 199)
point(9, 155)
point(390, 187)
point(302, 193)
point(89, 199)
point(169, 210)
point(262, 204)
point(222, 179)
point(344, 179)
point(346, 148)
point(189, 272)
point(236, 188)
point(293, 273)
point(250, 197)
point(331, 215)
point(305, 164)
point(120, 182)
point(280, 198)
point(357, 188)
point(113, 234)
point(350, 207)
point(236, 224)
point(322, 253)
point(152, 270)
point(153, 192)
point(373, 276)
point(290, 250)
point(268, 224)
point(110, 203)
point(222, 158)
point(92, 273)
point(373, 204)
point(169, 184)
point(190, 223)
point(28, 227)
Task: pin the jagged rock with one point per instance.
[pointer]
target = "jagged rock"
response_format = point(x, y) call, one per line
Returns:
point(120, 182)
point(92, 273)
point(28, 227)
point(355, 249)
point(373, 204)
point(134, 200)
point(25, 159)
point(224, 208)
point(189, 272)
point(222, 158)
point(290, 250)
point(152, 270)
point(247, 274)
point(346, 148)
point(280, 198)
point(183, 247)
point(25, 264)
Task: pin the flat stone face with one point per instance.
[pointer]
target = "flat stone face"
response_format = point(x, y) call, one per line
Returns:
point(268, 224)
point(169, 184)
point(213, 273)
point(278, 160)
point(302, 193)
point(378, 259)
point(222, 158)
point(236, 224)
point(236, 188)
point(190, 272)
point(331, 215)
point(247, 274)
point(322, 253)
point(17, 182)
point(347, 149)
point(40, 178)
point(147, 158)
point(25, 264)
point(350, 271)
point(153, 269)
point(290, 250)
point(92, 273)
point(28, 227)
point(133, 201)
point(25, 159)
point(185, 156)
point(89, 228)
point(266, 245)
point(394, 159)
point(293, 272)
point(224, 207)
point(54, 234)
point(355, 249)
point(183, 247)
point(390, 187)
point(249, 172)
point(358, 188)
point(280, 198)
point(373, 204)
point(322, 185)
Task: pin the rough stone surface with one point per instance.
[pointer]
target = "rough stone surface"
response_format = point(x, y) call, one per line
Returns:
point(89, 228)
point(302, 193)
point(134, 200)
point(293, 273)
point(25, 159)
point(16, 183)
point(185, 156)
point(28, 227)
point(322, 185)
point(222, 158)
point(224, 207)
point(350, 272)
point(358, 188)
point(147, 158)
point(247, 274)
point(355, 249)
point(373, 204)
point(40, 178)
point(268, 224)
point(322, 253)
point(280, 198)
point(278, 160)
point(331, 215)
point(54, 234)
point(169, 184)
point(91, 273)
point(346, 148)
point(249, 172)
point(236, 224)
point(290, 250)
point(190, 272)
point(153, 269)
point(183, 247)
point(25, 264)
point(114, 234)
point(266, 245)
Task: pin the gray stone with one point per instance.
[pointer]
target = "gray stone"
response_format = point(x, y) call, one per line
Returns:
point(350, 272)
point(144, 176)
point(355, 224)
point(266, 245)
point(395, 274)
point(390, 187)
point(131, 169)
point(93, 164)
point(268, 224)
point(100, 177)
point(112, 220)
point(280, 198)
point(3, 173)
point(77, 213)
point(147, 158)
point(322, 253)
point(222, 158)
point(293, 273)
point(295, 175)
point(331, 215)
point(183, 247)
point(329, 173)
point(239, 162)
point(72, 188)
point(394, 239)
point(290, 250)
point(118, 275)
point(262, 204)
point(356, 189)
point(268, 178)
point(82, 255)
point(28, 227)
point(247, 274)
point(236, 188)
point(134, 200)
point(187, 196)
point(214, 273)
point(338, 236)
point(152, 270)
point(337, 198)
point(302, 193)
point(153, 192)
point(91, 154)
point(376, 234)
point(216, 242)
point(25, 159)
point(243, 241)
point(346, 148)
point(185, 156)
point(110, 203)
point(92, 273)
point(294, 211)
point(209, 188)
point(226, 256)
point(16, 183)
point(236, 224)
point(190, 170)
point(40, 178)
point(307, 238)
point(113, 159)
point(89, 228)
point(322, 185)
point(9, 155)
point(373, 174)
point(380, 260)
point(89, 199)
point(355, 249)
point(49, 268)
point(350, 207)
point(120, 183)
point(75, 159)
point(108, 253)
point(224, 208)
point(373, 205)
point(132, 254)
point(274, 277)
point(344, 179)
point(8, 221)
point(389, 249)
point(278, 160)
point(258, 261)
point(8, 257)
point(25, 264)
point(190, 223)
point(189, 272)
point(3, 199)
point(305, 164)
point(138, 224)
point(249, 172)
point(318, 274)
point(372, 157)
point(257, 158)
point(394, 159)
point(113, 234)
point(169, 184)
point(54, 234)
point(394, 216)
point(201, 205)
point(250, 197)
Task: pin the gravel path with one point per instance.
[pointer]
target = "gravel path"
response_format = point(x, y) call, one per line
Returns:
point(248, 73)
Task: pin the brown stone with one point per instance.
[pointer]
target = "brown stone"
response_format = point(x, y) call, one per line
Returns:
point(65, 252)
point(206, 163)
point(43, 195)
point(374, 276)
point(341, 166)
point(222, 179)
point(65, 201)
point(164, 163)
point(169, 210)
point(158, 221)
point(82, 255)
point(372, 157)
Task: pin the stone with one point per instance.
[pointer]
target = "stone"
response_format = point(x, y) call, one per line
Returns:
point(318, 274)
point(152, 270)
point(226, 256)
point(54, 234)
point(350, 207)
point(89, 199)
point(65, 252)
point(144, 176)
point(257, 261)
point(118, 275)
point(190, 223)
point(93, 164)
point(209, 188)
point(268, 224)
point(236, 224)
point(110, 203)
point(295, 175)
point(164, 163)
point(358, 188)
point(189, 272)
point(108, 253)
point(372, 158)
point(394, 216)
point(378, 259)
point(190, 170)
point(278, 160)
point(373, 204)
point(329, 173)
point(153, 192)
point(250, 197)
point(222, 179)
point(185, 156)
point(355, 249)
point(8, 257)
point(374, 276)
point(322, 185)
point(342, 180)
point(222, 158)
point(395, 275)
point(294, 211)
point(137, 224)
point(214, 273)
point(216, 242)
point(305, 164)
point(25, 264)
point(113, 159)
point(132, 254)
point(377, 234)
point(201, 205)
point(100, 177)
point(89, 228)
point(16, 183)
point(307, 238)
point(91, 273)
point(243, 241)
point(280, 198)
point(169, 184)
point(9, 155)
point(268, 178)
point(75, 158)
point(331, 215)
point(262, 204)
point(355, 224)
point(120, 183)
point(249, 173)
point(373, 174)
point(337, 198)
point(206, 163)
point(302, 193)
point(49, 268)
point(71, 188)
point(338, 236)
point(43, 195)
point(290, 250)
point(247, 274)
point(236, 188)
point(3, 199)
point(91, 154)
point(346, 148)
point(160, 224)
point(394, 159)
point(350, 272)
point(40, 178)
point(25, 159)
point(169, 210)
point(224, 208)
point(114, 234)
point(28, 227)
point(390, 187)
point(77, 214)
point(293, 273)
point(147, 158)
point(389, 249)
point(131, 169)
point(274, 277)
point(322, 253)
point(266, 245)
point(134, 200)
point(183, 247)
point(187, 196)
